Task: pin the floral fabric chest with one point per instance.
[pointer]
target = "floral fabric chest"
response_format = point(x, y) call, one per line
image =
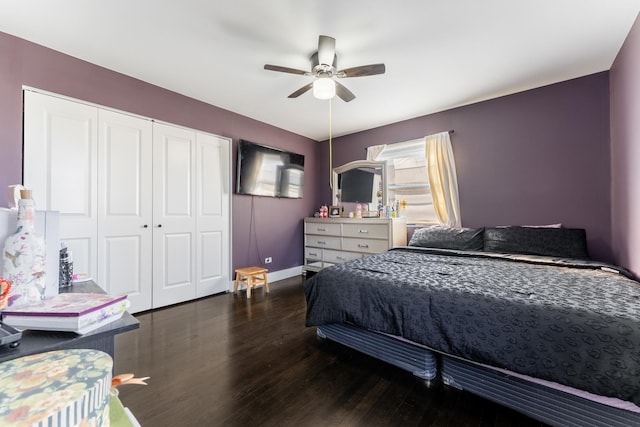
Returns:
point(65, 388)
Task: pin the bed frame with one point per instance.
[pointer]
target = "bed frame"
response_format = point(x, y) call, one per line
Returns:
point(406, 355)
point(540, 402)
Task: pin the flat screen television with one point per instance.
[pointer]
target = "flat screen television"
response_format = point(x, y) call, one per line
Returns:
point(268, 171)
point(356, 185)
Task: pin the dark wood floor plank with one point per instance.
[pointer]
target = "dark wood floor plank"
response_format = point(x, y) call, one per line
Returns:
point(229, 361)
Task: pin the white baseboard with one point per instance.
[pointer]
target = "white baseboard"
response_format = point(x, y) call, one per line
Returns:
point(274, 276)
point(284, 274)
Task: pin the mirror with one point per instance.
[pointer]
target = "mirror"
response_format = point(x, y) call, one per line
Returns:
point(360, 181)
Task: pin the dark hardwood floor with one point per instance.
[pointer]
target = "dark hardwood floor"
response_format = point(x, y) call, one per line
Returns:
point(229, 361)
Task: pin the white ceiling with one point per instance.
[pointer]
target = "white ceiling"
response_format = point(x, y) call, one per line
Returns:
point(439, 54)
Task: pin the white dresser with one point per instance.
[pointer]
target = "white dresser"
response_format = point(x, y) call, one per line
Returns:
point(329, 241)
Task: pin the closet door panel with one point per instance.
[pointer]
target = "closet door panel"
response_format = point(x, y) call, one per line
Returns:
point(213, 206)
point(125, 207)
point(84, 253)
point(210, 256)
point(60, 166)
point(177, 179)
point(123, 267)
point(177, 261)
point(174, 219)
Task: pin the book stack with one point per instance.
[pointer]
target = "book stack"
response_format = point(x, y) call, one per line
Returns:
point(71, 312)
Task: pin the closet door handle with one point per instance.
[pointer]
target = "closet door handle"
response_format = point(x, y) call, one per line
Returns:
point(159, 225)
point(145, 226)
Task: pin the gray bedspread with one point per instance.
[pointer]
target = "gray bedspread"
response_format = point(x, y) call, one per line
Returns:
point(573, 323)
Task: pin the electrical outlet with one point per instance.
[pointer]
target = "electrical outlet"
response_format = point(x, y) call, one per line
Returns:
point(268, 260)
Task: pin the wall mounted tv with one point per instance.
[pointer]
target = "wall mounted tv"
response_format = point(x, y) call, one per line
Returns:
point(268, 171)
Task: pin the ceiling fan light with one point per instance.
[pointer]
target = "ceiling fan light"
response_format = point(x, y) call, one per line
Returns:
point(324, 88)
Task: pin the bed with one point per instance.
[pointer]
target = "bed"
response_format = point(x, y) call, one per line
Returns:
point(519, 315)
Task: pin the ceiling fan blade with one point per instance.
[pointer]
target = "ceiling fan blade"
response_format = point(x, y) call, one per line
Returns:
point(284, 69)
point(345, 94)
point(300, 91)
point(363, 70)
point(326, 50)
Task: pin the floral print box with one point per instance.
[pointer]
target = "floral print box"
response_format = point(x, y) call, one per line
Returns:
point(65, 388)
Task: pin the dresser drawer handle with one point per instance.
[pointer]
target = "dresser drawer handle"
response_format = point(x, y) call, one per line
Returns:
point(363, 246)
point(322, 242)
point(363, 231)
point(341, 258)
point(322, 229)
point(313, 254)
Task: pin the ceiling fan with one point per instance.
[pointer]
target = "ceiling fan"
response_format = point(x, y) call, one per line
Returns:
point(324, 70)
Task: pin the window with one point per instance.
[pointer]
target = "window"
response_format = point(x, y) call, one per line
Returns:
point(407, 180)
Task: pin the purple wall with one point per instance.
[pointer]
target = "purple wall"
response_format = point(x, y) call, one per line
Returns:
point(625, 152)
point(536, 157)
point(278, 223)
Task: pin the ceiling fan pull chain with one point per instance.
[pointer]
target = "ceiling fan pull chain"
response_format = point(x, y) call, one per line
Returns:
point(330, 150)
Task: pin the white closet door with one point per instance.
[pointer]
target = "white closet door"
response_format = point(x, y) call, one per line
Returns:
point(213, 207)
point(125, 207)
point(60, 166)
point(110, 175)
point(174, 215)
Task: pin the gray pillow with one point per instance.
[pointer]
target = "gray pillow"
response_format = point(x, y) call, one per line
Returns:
point(441, 237)
point(552, 242)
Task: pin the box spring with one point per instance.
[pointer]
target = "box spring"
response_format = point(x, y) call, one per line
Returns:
point(416, 359)
point(540, 402)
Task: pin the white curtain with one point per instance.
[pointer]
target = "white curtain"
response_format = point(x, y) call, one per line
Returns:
point(443, 179)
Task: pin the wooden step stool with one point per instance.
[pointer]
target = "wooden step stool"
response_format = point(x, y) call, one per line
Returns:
point(251, 276)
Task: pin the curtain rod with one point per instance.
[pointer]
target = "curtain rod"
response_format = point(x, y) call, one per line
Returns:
point(451, 131)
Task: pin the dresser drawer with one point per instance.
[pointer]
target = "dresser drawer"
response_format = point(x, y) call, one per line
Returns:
point(329, 242)
point(337, 257)
point(313, 253)
point(369, 246)
point(372, 231)
point(322, 228)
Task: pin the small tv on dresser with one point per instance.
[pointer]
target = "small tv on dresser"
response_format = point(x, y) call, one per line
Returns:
point(356, 186)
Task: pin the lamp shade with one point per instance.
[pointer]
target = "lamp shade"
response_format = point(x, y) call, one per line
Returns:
point(324, 88)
